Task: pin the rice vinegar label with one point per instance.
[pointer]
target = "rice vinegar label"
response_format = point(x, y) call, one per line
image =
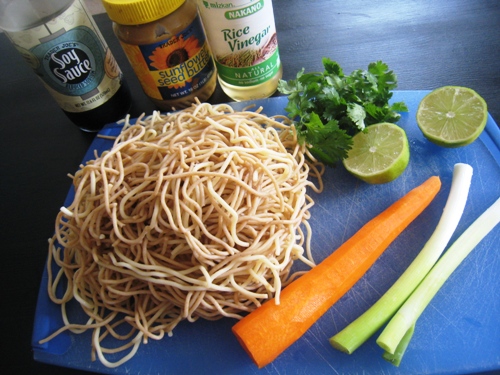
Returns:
point(175, 67)
point(71, 58)
point(243, 39)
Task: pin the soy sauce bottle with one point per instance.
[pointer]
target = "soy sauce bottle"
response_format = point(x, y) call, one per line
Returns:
point(61, 42)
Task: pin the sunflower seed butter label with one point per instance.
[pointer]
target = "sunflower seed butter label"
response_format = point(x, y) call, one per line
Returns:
point(175, 67)
point(70, 56)
point(242, 35)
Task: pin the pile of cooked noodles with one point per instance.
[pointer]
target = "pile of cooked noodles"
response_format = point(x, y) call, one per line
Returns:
point(195, 214)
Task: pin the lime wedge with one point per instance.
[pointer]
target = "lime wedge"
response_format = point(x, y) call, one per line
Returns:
point(379, 154)
point(452, 116)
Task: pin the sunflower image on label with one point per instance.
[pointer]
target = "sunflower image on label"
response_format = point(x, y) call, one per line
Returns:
point(175, 67)
point(243, 38)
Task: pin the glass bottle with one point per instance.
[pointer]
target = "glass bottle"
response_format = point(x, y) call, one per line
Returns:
point(61, 42)
point(242, 35)
point(166, 45)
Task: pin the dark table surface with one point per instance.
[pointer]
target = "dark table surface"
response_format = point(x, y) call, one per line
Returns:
point(427, 43)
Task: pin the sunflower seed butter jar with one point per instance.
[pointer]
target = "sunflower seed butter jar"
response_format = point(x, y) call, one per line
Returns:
point(166, 45)
point(242, 35)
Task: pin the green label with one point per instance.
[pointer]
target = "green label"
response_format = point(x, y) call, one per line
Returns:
point(251, 75)
point(244, 12)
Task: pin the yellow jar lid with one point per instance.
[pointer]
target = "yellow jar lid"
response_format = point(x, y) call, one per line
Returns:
point(137, 12)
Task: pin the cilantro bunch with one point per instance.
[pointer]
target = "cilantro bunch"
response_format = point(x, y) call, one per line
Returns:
point(329, 108)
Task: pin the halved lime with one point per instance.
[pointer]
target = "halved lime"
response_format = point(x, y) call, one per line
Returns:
point(452, 116)
point(379, 154)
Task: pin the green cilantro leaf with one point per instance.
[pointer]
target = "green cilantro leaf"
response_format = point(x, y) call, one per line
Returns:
point(329, 107)
point(328, 142)
point(357, 114)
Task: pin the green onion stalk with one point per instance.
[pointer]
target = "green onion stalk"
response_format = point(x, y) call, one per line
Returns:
point(392, 339)
point(361, 329)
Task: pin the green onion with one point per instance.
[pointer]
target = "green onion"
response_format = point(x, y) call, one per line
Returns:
point(361, 329)
point(407, 315)
point(395, 358)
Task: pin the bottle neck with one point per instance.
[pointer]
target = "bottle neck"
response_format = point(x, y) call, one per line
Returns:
point(17, 15)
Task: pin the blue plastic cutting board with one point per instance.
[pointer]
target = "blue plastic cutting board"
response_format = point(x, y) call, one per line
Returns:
point(459, 332)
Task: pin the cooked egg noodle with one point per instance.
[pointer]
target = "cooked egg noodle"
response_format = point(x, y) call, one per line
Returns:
point(194, 214)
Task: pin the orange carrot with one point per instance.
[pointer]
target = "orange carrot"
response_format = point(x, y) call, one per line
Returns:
point(270, 329)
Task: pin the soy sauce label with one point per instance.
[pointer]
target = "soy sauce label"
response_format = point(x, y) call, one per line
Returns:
point(174, 67)
point(71, 58)
point(70, 63)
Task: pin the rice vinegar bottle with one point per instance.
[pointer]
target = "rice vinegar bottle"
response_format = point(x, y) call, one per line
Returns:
point(242, 36)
